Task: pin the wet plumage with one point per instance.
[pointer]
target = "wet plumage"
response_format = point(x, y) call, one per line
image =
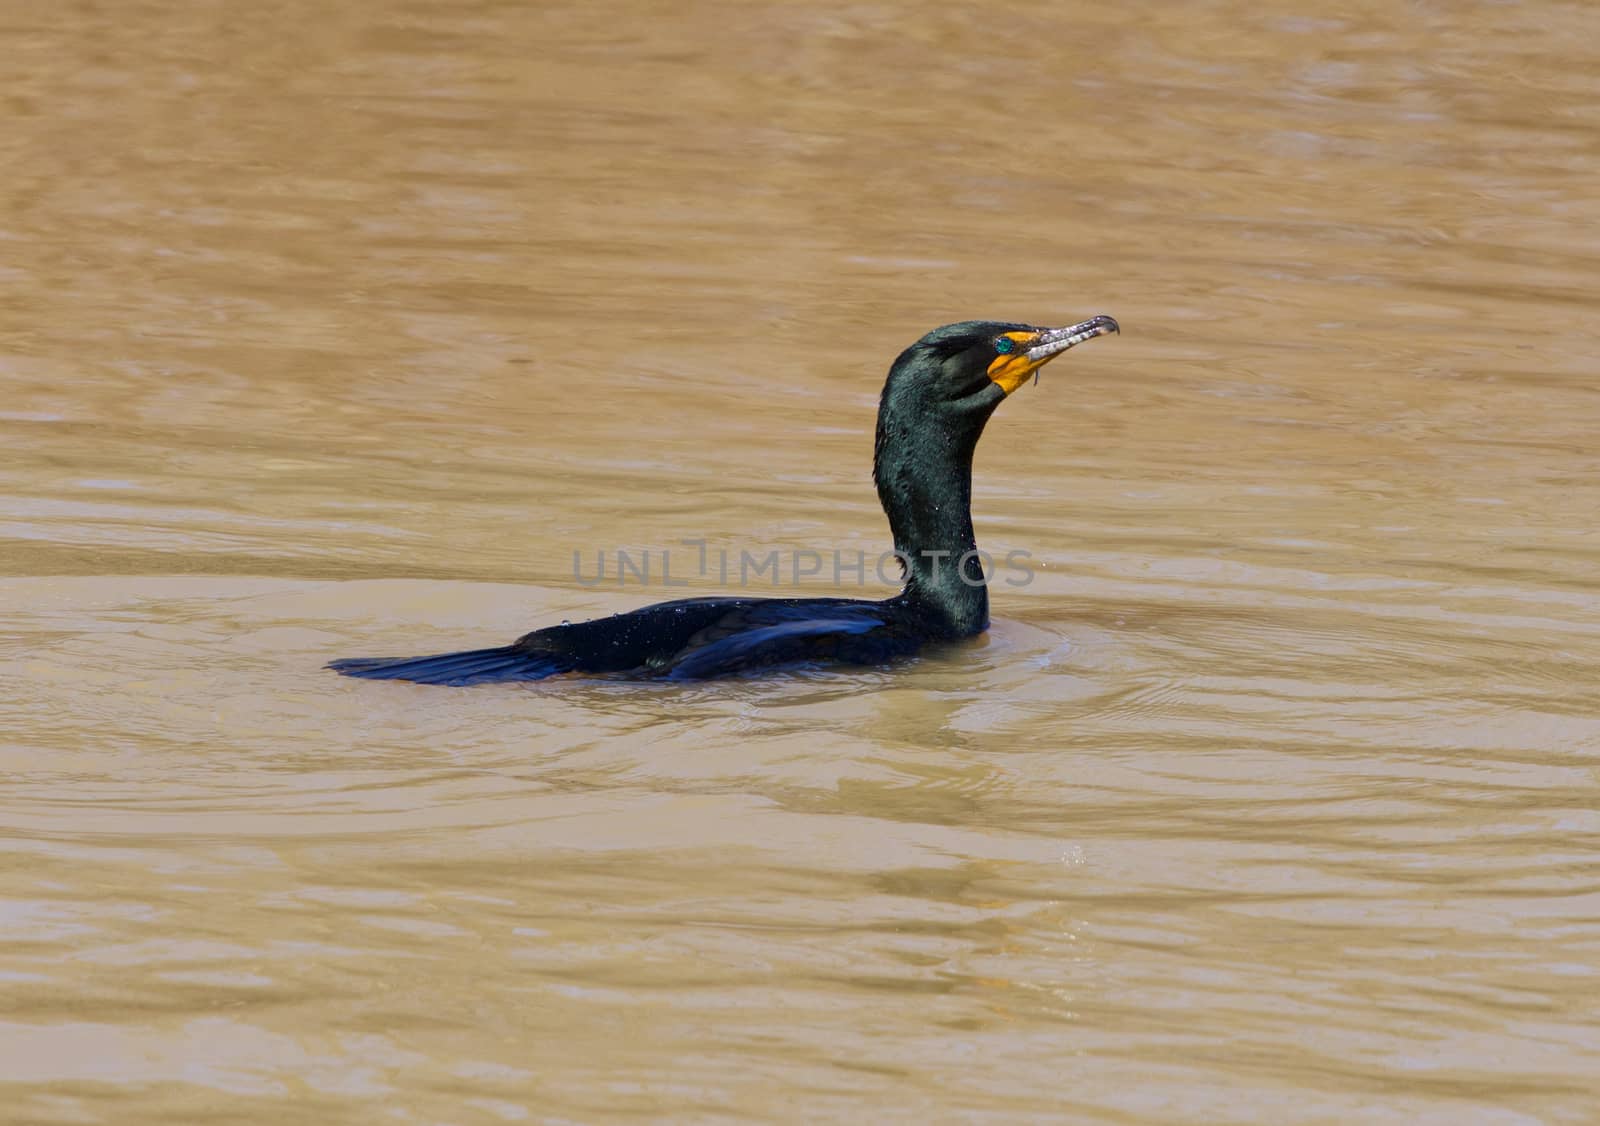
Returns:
point(936, 401)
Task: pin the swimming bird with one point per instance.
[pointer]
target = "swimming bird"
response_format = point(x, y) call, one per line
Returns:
point(937, 399)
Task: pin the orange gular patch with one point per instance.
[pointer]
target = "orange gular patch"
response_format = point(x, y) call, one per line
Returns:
point(1013, 369)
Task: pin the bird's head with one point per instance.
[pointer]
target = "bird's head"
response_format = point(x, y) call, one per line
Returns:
point(961, 361)
point(942, 390)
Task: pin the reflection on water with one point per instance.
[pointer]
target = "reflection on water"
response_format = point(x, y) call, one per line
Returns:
point(1271, 798)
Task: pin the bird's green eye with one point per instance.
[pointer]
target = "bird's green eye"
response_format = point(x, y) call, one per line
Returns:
point(1004, 344)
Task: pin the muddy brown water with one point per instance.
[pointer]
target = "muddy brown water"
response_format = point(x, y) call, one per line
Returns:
point(336, 330)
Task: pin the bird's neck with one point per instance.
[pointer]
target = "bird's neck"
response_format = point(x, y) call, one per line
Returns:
point(924, 478)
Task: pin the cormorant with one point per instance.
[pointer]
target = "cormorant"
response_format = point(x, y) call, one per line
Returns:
point(939, 394)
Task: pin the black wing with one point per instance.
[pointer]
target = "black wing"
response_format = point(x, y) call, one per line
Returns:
point(761, 634)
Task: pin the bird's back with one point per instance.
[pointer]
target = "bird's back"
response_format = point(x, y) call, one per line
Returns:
point(686, 639)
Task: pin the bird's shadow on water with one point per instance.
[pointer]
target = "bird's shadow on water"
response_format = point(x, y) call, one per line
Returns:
point(787, 730)
point(1008, 662)
point(932, 740)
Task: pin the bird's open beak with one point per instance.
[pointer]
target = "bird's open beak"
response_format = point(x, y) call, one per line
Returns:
point(1035, 349)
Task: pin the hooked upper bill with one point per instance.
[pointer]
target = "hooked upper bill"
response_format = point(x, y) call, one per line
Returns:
point(1037, 348)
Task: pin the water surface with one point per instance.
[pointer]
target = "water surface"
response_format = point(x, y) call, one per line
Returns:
point(335, 331)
